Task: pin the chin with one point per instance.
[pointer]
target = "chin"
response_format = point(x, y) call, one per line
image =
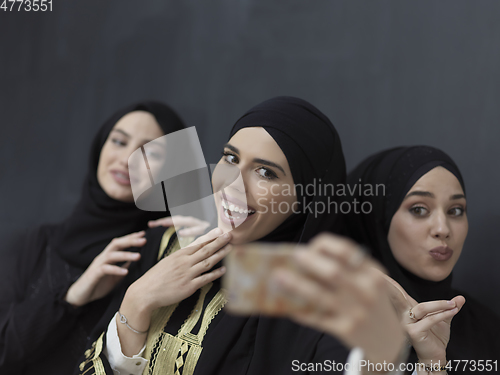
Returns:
point(437, 275)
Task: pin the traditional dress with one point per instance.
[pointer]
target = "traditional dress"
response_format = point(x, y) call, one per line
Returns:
point(39, 332)
point(196, 335)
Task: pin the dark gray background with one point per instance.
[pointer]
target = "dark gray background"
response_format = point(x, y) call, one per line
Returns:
point(387, 73)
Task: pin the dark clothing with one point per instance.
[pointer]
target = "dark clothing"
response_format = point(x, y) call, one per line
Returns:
point(475, 330)
point(256, 344)
point(39, 332)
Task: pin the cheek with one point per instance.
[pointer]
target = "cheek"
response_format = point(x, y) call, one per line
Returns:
point(404, 236)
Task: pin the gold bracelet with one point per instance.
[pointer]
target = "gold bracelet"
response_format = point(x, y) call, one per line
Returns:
point(123, 320)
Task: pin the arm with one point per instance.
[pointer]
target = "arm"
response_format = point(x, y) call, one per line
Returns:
point(350, 299)
point(427, 324)
point(184, 271)
point(39, 320)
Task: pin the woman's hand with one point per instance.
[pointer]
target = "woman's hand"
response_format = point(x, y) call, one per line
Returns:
point(191, 226)
point(171, 280)
point(349, 295)
point(428, 327)
point(103, 274)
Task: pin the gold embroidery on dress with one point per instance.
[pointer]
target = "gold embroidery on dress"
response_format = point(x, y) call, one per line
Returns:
point(97, 346)
point(95, 361)
point(176, 355)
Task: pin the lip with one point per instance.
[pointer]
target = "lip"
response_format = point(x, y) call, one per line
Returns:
point(120, 179)
point(233, 222)
point(441, 253)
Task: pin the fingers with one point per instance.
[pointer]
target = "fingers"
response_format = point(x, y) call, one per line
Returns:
point(163, 222)
point(130, 240)
point(193, 231)
point(109, 269)
point(425, 308)
point(340, 248)
point(208, 277)
point(398, 296)
point(325, 271)
point(208, 263)
point(307, 290)
point(201, 241)
point(460, 301)
point(122, 256)
point(430, 321)
point(209, 249)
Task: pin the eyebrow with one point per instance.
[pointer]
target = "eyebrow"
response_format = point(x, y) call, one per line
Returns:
point(430, 195)
point(122, 132)
point(257, 160)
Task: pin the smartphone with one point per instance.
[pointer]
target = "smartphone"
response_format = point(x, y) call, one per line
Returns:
point(248, 283)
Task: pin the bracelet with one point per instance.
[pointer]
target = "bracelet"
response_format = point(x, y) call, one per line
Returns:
point(123, 320)
point(433, 368)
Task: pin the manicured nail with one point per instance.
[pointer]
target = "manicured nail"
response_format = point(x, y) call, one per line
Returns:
point(451, 303)
point(226, 235)
point(218, 231)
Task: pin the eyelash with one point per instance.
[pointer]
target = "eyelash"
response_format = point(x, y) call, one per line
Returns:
point(413, 211)
point(272, 176)
point(118, 142)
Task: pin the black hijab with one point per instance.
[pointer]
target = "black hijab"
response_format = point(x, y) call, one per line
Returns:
point(98, 218)
point(312, 147)
point(398, 169)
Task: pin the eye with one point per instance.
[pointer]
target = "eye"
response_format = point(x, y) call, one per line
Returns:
point(230, 158)
point(118, 142)
point(266, 173)
point(457, 211)
point(152, 154)
point(419, 210)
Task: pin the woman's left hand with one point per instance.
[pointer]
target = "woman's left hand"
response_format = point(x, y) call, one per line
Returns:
point(348, 294)
point(191, 226)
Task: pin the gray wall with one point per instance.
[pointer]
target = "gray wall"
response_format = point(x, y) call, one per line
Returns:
point(386, 72)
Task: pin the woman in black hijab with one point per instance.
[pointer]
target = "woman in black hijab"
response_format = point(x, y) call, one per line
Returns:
point(38, 320)
point(424, 189)
point(169, 300)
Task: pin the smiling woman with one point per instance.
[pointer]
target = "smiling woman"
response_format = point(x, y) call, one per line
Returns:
point(169, 316)
point(417, 230)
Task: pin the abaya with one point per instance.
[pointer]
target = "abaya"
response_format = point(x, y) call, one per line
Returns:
point(39, 332)
point(475, 330)
point(247, 345)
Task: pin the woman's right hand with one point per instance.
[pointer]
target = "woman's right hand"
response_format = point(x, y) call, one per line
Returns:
point(428, 325)
point(171, 280)
point(103, 274)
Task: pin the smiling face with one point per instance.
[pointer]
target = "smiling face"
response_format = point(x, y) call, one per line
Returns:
point(428, 231)
point(266, 185)
point(131, 132)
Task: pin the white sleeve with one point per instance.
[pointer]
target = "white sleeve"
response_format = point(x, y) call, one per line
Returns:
point(354, 360)
point(352, 365)
point(121, 364)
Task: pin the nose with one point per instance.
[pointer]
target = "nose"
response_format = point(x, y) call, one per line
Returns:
point(440, 227)
point(124, 156)
point(239, 184)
